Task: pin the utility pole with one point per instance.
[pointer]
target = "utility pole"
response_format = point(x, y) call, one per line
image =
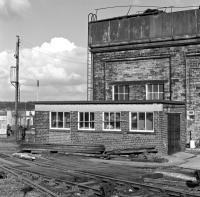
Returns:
point(17, 87)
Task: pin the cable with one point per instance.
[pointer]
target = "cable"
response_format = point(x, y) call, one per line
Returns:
point(143, 6)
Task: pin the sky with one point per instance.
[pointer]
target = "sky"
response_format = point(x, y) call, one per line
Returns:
point(53, 44)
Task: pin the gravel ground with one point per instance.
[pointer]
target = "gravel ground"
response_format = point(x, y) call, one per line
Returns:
point(12, 187)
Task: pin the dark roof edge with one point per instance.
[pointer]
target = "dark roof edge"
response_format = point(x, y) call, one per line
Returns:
point(137, 15)
point(107, 102)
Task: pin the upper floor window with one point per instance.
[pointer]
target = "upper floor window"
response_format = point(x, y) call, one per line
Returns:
point(154, 91)
point(111, 121)
point(121, 92)
point(60, 120)
point(141, 121)
point(86, 120)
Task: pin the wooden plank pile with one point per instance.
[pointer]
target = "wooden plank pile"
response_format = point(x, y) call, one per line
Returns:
point(135, 150)
point(140, 153)
point(63, 148)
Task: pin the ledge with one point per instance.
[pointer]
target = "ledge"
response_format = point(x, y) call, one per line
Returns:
point(109, 102)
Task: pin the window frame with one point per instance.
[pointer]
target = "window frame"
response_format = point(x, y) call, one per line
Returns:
point(86, 129)
point(152, 92)
point(139, 130)
point(118, 94)
point(103, 115)
point(59, 128)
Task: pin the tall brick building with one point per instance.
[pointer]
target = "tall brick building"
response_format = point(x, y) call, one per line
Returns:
point(143, 72)
point(153, 56)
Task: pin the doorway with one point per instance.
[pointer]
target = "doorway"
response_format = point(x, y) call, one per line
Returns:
point(174, 144)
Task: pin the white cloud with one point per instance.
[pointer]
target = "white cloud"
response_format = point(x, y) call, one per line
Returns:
point(59, 65)
point(13, 7)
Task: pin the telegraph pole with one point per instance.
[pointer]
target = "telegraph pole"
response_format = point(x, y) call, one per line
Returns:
point(17, 87)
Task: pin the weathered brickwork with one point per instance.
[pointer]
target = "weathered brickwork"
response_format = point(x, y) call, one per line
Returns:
point(113, 139)
point(59, 136)
point(178, 67)
point(41, 126)
point(43, 133)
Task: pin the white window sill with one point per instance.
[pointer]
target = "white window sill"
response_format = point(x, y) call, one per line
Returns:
point(112, 130)
point(142, 131)
point(55, 128)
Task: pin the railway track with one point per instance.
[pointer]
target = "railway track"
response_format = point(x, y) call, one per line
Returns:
point(86, 183)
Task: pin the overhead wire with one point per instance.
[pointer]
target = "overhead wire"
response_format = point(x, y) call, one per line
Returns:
point(143, 6)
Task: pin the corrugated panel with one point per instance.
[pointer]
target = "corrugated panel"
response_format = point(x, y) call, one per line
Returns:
point(119, 30)
point(99, 32)
point(142, 28)
point(184, 23)
point(139, 28)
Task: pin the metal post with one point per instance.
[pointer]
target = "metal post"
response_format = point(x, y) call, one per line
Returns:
point(17, 88)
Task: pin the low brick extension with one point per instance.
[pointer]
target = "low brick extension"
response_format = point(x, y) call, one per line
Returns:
point(111, 139)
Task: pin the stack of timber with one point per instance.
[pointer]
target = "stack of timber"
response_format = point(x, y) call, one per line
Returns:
point(63, 148)
point(142, 153)
point(135, 150)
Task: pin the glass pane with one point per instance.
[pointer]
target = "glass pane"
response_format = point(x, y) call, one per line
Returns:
point(106, 117)
point(141, 121)
point(111, 117)
point(81, 124)
point(134, 121)
point(160, 96)
point(92, 116)
point(149, 88)
point(81, 116)
point(86, 125)
point(86, 116)
point(118, 117)
point(116, 89)
point(92, 125)
point(149, 121)
point(149, 96)
point(161, 88)
point(155, 96)
point(106, 125)
point(116, 97)
point(117, 125)
point(53, 119)
point(126, 97)
point(121, 97)
point(155, 88)
point(67, 125)
point(121, 89)
point(126, 89)
point(67, 120)
point(67, 116)
point(112, 125)
point(60, 119)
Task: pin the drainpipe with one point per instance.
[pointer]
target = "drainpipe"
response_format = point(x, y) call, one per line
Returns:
point(186, 124)
point(170, 78)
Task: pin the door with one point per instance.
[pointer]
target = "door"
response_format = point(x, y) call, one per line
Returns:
point(174, 144)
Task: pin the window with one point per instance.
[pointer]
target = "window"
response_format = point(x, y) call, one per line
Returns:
point(60, 120)
point(111, 121)
point(154, 91)
point(86, 120)
point(141, 121)
point(121, 92)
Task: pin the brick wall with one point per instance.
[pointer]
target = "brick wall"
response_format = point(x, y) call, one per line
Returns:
point(125, 138)
point(41, 123)
point(111, 139)
point(43, 134)
point(133, 65)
